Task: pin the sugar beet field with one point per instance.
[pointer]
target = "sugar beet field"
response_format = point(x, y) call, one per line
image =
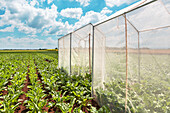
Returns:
point(31, 82)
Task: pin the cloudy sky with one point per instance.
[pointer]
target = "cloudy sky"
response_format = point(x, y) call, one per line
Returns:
point(39, 23)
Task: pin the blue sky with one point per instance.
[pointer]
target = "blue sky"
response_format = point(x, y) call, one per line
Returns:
point(39, 23)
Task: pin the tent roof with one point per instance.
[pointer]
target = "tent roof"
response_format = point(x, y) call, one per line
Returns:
point(121, 12)
point(126, 10)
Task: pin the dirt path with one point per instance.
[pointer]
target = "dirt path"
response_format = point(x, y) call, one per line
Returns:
point(22, 108)
point(4, 92)
point(48, 97)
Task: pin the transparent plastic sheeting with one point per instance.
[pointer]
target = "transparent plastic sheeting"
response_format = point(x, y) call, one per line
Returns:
point(64, 53)
point(80, 56)
point(145, 66)
point(80, 49)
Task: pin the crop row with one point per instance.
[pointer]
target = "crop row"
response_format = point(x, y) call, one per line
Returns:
point(33, 83)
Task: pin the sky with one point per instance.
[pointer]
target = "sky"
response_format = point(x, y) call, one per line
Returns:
point(34, 24)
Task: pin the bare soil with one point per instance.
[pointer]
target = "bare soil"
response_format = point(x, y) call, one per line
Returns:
point(22, 108)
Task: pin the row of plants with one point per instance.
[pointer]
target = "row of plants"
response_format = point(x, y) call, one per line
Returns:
point(36, 94)
point(70, 93)
point(141, 98)
point(49, 89)
point(13, 75)
point(148, 91)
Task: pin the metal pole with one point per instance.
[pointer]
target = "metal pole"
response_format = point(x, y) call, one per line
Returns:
point(126, 64)
point(138, 57)
point(84, 57)
point(89, 56)
point(79, 59)
point(103, 61)
point(64, 54)
point(92, 92)
point(155, 28)
point(58, 55)
point(70, 50)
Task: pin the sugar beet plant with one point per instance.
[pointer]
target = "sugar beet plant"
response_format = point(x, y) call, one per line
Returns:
point(11, 82)
point(36, 94)
point(49, 88)
point(69, 92)
point(147, 93)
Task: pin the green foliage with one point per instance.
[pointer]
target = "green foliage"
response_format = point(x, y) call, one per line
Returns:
point(36, 94)
point(12, 78)
point(10, 101)
point(69, 92)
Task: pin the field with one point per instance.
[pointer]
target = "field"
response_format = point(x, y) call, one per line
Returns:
point(148, 82)
point(30, 81)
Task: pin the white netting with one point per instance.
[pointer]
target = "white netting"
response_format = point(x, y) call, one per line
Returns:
point(147, 60)
point(151, 16)
point(64, 53)
point(110, 62)
point(80, 57)
point(75, 50)
point(131, 66)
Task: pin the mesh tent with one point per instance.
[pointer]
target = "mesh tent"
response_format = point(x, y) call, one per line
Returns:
point(81, 50)
point(130, 57)
point(64, 53)
point(75, 51)
point(131, 71)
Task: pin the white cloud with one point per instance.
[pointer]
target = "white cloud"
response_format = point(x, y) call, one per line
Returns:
point(34, 2)
point(72, 12)
point(26, 17)
point(32, 36)
point(59, 28)
point(42, 1)
point(83, 2)
point(31, 20)
point(49, 1)
point(28, 30)
point(105, 10)
point(27, 43)
point(112, 3)
point(1, 3)
point(90, 17)
point(8, 29)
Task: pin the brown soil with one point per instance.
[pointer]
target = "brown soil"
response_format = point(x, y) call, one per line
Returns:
point(48, 97)
point(9, 83)
point(22, 108)
point(85, 108)
point(4, 92)
point(47, 60)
